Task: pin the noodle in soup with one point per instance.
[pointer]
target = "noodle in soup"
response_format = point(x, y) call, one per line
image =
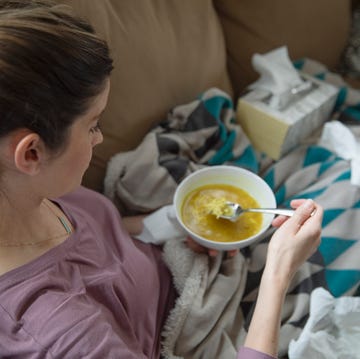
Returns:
point(201, 209)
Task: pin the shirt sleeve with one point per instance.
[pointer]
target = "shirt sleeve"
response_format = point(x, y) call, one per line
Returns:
point(248, 353)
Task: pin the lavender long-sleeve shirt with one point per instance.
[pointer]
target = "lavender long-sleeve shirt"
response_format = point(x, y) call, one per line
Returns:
point(99, 294)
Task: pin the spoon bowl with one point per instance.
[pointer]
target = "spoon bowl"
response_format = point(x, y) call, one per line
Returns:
point(234, 211)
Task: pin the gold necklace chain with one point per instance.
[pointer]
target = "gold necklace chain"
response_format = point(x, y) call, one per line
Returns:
point(63, 222)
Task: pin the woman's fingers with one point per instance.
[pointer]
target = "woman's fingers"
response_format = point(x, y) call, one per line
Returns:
point(296, 203)
point(297, 238)
point(279, 220)
point(311, 228)
point(196, 247)
point(302, 214)
point(212, 252)
point(232, 253)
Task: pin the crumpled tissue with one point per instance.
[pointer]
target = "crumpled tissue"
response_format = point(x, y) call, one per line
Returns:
point(278, 77)
point(341, 140)
point(332, 330)
point(160, 226)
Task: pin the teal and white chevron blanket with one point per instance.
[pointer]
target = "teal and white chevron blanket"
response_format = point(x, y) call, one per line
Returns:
point(204, 133)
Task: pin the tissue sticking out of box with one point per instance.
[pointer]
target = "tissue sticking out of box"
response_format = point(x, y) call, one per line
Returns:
point(276, 123)
point(340, 139)
point(279, 79)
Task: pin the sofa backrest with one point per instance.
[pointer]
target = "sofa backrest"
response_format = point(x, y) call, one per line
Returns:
point(165, 53)
point(316, 29)
point(168, 51)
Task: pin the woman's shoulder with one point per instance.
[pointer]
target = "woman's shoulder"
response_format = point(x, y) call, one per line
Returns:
point(88, 200)
point(84, 194)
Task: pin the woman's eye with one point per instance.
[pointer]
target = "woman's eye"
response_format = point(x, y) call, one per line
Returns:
point(96, 128)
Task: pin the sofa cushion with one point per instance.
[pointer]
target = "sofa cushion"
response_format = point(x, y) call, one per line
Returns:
point(165, 53)
point(314, 29)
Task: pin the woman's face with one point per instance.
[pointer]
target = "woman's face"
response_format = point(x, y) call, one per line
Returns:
point(63, 173)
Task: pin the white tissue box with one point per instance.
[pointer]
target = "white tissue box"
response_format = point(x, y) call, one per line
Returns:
point(277, 131)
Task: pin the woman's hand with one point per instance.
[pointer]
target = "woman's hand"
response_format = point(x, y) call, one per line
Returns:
point(196, 247)
point(134, 224)
point(293, 242)
point(296, 239)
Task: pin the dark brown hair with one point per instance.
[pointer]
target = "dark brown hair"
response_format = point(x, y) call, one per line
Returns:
point(51, 65)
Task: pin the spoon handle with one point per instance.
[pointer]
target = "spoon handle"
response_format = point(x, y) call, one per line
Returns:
point(281, 211)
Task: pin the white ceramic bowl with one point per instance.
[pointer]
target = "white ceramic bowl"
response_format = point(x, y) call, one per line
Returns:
point(246, 180)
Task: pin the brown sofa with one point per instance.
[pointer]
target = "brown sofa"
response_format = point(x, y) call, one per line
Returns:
point(168, 51)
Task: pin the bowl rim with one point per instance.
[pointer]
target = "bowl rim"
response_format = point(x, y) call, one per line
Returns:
point(208, 242)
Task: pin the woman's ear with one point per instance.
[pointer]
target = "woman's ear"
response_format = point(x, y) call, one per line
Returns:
point(29, 152)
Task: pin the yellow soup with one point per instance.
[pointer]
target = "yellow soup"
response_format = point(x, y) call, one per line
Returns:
point(202, 207)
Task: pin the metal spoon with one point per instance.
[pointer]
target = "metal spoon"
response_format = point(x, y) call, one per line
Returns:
point(237, 210)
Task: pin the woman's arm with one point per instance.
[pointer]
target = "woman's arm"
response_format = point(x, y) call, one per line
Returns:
point(134, 224)
point(295, 240)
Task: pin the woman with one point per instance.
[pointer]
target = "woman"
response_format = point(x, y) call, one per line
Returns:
point(73, 283)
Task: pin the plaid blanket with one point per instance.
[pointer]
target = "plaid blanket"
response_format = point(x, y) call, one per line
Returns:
point(194, 135)
point(204, 133)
